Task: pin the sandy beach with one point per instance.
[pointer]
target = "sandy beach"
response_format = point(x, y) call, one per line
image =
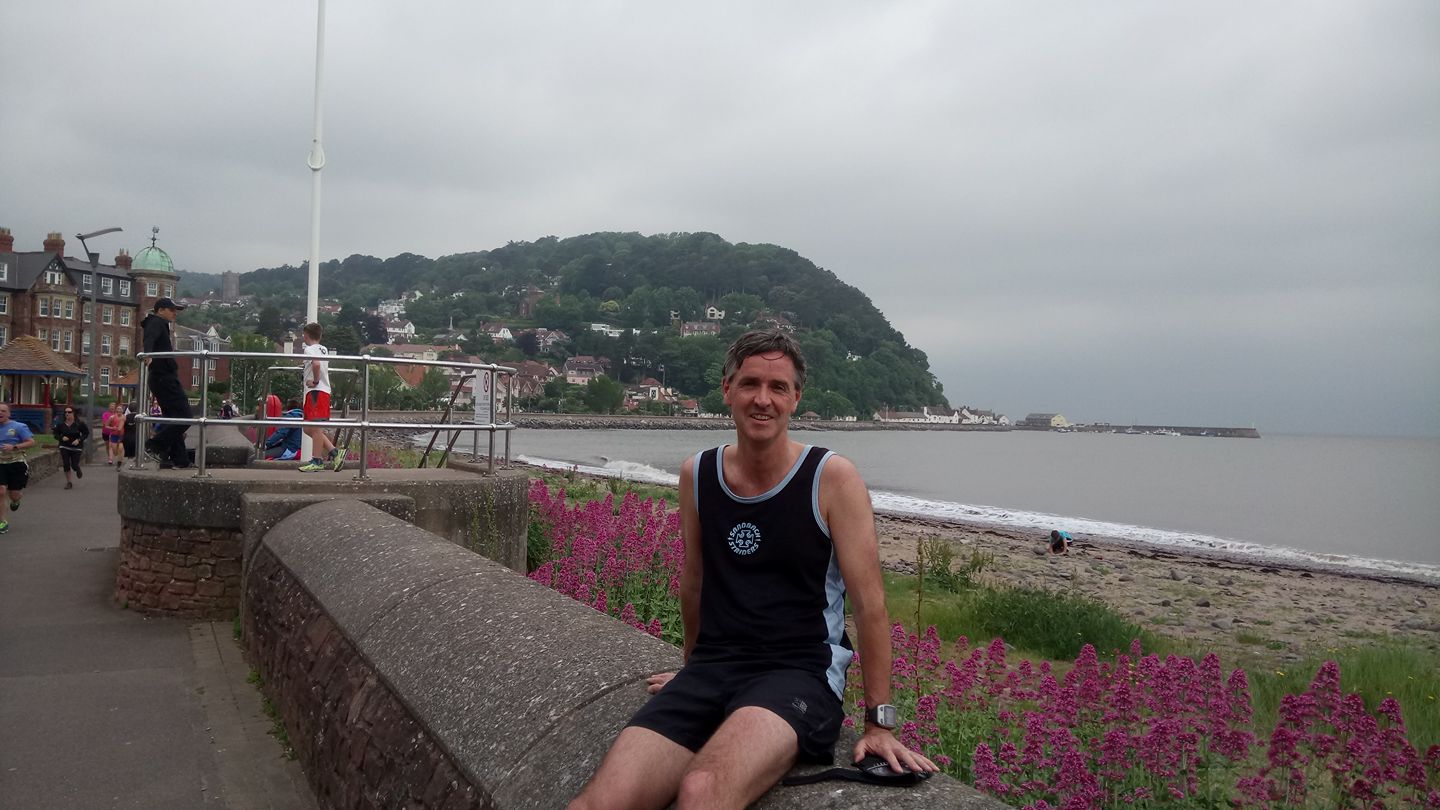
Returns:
point(1245, 610)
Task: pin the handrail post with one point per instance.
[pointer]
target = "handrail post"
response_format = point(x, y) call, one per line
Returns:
point(204, 406)
point(364, 416)
point(509, 401)
point(142, 388)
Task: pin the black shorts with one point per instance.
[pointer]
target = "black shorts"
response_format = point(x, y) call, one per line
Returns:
point(701, 696)
point(14, 475)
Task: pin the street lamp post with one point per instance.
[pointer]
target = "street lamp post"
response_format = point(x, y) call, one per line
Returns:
point(94, 322)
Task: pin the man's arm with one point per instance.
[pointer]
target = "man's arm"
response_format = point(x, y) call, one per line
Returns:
point(690, 574)
point(845, 505)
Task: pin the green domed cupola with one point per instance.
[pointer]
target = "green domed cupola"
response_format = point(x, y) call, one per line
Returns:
point(153, 259)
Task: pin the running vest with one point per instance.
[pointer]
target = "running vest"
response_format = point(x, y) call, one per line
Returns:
point(771, 589)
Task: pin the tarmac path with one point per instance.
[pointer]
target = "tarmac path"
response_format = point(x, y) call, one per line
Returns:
point(101, 707)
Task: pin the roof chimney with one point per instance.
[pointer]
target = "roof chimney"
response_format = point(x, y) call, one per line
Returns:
point(55, 243)
point(122, 260)
point(7, 242)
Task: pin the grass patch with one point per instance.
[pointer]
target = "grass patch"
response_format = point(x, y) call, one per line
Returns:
point(1376, 672)
point(580, 488)
point(277, 726)
point(1044, 623)
point(1247, 637)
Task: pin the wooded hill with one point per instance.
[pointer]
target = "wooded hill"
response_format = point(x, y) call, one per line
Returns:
point(858, 361)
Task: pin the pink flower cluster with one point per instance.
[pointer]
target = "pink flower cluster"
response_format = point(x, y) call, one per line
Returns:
point(621, 559)
point(1326, 746)
point(1143, 731)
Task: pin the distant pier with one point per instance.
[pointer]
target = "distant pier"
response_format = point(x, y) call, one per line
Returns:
point(1171, 430)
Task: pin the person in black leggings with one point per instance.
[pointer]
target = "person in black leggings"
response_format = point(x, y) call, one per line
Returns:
point(71, 432)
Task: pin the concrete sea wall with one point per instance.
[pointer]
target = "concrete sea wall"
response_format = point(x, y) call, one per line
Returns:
point(413, 673)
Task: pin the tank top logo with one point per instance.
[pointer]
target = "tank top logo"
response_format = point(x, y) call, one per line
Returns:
point(744, 538)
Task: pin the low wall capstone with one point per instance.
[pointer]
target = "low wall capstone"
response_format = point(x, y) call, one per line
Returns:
point(412, 673)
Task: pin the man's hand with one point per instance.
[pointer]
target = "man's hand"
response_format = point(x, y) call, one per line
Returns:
point(656, 682)
point(881, 742)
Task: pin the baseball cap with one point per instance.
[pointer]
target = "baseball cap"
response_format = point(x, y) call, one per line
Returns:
point(168, 303)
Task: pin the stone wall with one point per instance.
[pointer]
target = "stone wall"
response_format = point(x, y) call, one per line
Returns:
point(179, 571)
point(412, 673)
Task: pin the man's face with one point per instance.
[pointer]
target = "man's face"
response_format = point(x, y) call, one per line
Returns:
point(762, 395)
point(4, 414)
point(167, 314)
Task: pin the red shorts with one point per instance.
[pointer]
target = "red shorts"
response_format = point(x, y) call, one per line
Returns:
point(317, 406)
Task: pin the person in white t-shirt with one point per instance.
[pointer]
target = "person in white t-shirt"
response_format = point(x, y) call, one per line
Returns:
point(317, 403)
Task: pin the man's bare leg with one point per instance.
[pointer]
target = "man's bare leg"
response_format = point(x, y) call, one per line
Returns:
point(748, 754)
point(642, 771)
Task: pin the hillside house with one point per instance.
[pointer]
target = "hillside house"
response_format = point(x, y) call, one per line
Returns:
point(694, 328)
point(582, 368)
point(399, 331)
point(713, 314)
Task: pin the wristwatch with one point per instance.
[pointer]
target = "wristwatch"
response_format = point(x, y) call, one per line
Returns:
point(883, 715)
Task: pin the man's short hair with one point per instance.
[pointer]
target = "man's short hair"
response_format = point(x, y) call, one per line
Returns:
point(312, 330)
point(765, 341)
point(292, 404)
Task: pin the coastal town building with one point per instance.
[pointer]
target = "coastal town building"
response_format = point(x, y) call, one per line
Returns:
point(48, 295)
point(695, 328)
point(1044, 421)
point(583, 368)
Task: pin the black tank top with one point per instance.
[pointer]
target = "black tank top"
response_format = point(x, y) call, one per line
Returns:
point(771, 589)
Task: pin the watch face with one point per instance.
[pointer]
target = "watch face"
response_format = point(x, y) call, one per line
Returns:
point(886, 715)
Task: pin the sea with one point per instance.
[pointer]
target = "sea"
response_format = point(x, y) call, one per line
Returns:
point(1369, 505)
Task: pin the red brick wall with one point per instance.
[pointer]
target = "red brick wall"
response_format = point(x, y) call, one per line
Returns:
point(179, 571)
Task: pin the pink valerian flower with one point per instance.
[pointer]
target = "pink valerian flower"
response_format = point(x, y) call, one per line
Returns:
point(987, 772)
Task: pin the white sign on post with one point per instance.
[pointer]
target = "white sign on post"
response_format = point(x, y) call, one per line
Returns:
point(484, 397)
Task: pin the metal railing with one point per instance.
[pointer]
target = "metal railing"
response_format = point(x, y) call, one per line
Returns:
point(205, 357)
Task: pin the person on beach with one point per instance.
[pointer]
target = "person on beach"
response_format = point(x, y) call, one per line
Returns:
point(775, 534)
point(168, 443)
point(112, 432)
point(71, 433)
point(15, 439)
point(317, 401)
point(1060, 542)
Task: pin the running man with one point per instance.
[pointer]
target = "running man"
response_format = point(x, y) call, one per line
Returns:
point(317, 402)
point(775, 534)
point(15, 439)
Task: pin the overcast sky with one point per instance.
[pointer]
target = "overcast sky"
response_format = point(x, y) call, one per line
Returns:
point(1191, 213)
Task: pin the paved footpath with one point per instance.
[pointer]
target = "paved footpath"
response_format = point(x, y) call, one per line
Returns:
point(103, 708)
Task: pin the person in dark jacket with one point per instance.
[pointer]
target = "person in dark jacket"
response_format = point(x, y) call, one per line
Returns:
point(168, 445)
point(284, 443)
point(71, 432)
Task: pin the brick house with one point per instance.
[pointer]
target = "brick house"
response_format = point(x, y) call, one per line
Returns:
point(47, 294)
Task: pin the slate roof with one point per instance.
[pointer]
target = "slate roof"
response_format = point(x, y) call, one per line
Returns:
point(24, 268)
point(79, 268)
point(27, 354)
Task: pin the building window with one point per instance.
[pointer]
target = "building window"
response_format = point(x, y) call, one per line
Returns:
point(4, 271)
point(125, 317)
point(86, 282)
point(44, 304)
point(194, 379)
point(52, 277)
point(57, 306)
point(107, 315)
point(124, 289)
point(69, 309)
point(105, 345)
point(69, 341)
point(104, 379)
point(4, 333)
point(107, 286)
point(85, 342)
point(152, 288)
point(43, 334)
point(55, 339)
point(4, 304)
point(124, 344)
point(87, 312)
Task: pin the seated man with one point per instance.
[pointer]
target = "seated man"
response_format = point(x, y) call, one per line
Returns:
point(284, 443)
point(775, 534)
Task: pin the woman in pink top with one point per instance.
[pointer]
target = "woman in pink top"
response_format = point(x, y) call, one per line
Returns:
point(112, 428)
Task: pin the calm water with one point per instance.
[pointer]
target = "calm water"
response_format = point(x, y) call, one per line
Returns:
point(1360, 502)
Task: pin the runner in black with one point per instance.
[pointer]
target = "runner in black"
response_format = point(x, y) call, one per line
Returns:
point(775, 534)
